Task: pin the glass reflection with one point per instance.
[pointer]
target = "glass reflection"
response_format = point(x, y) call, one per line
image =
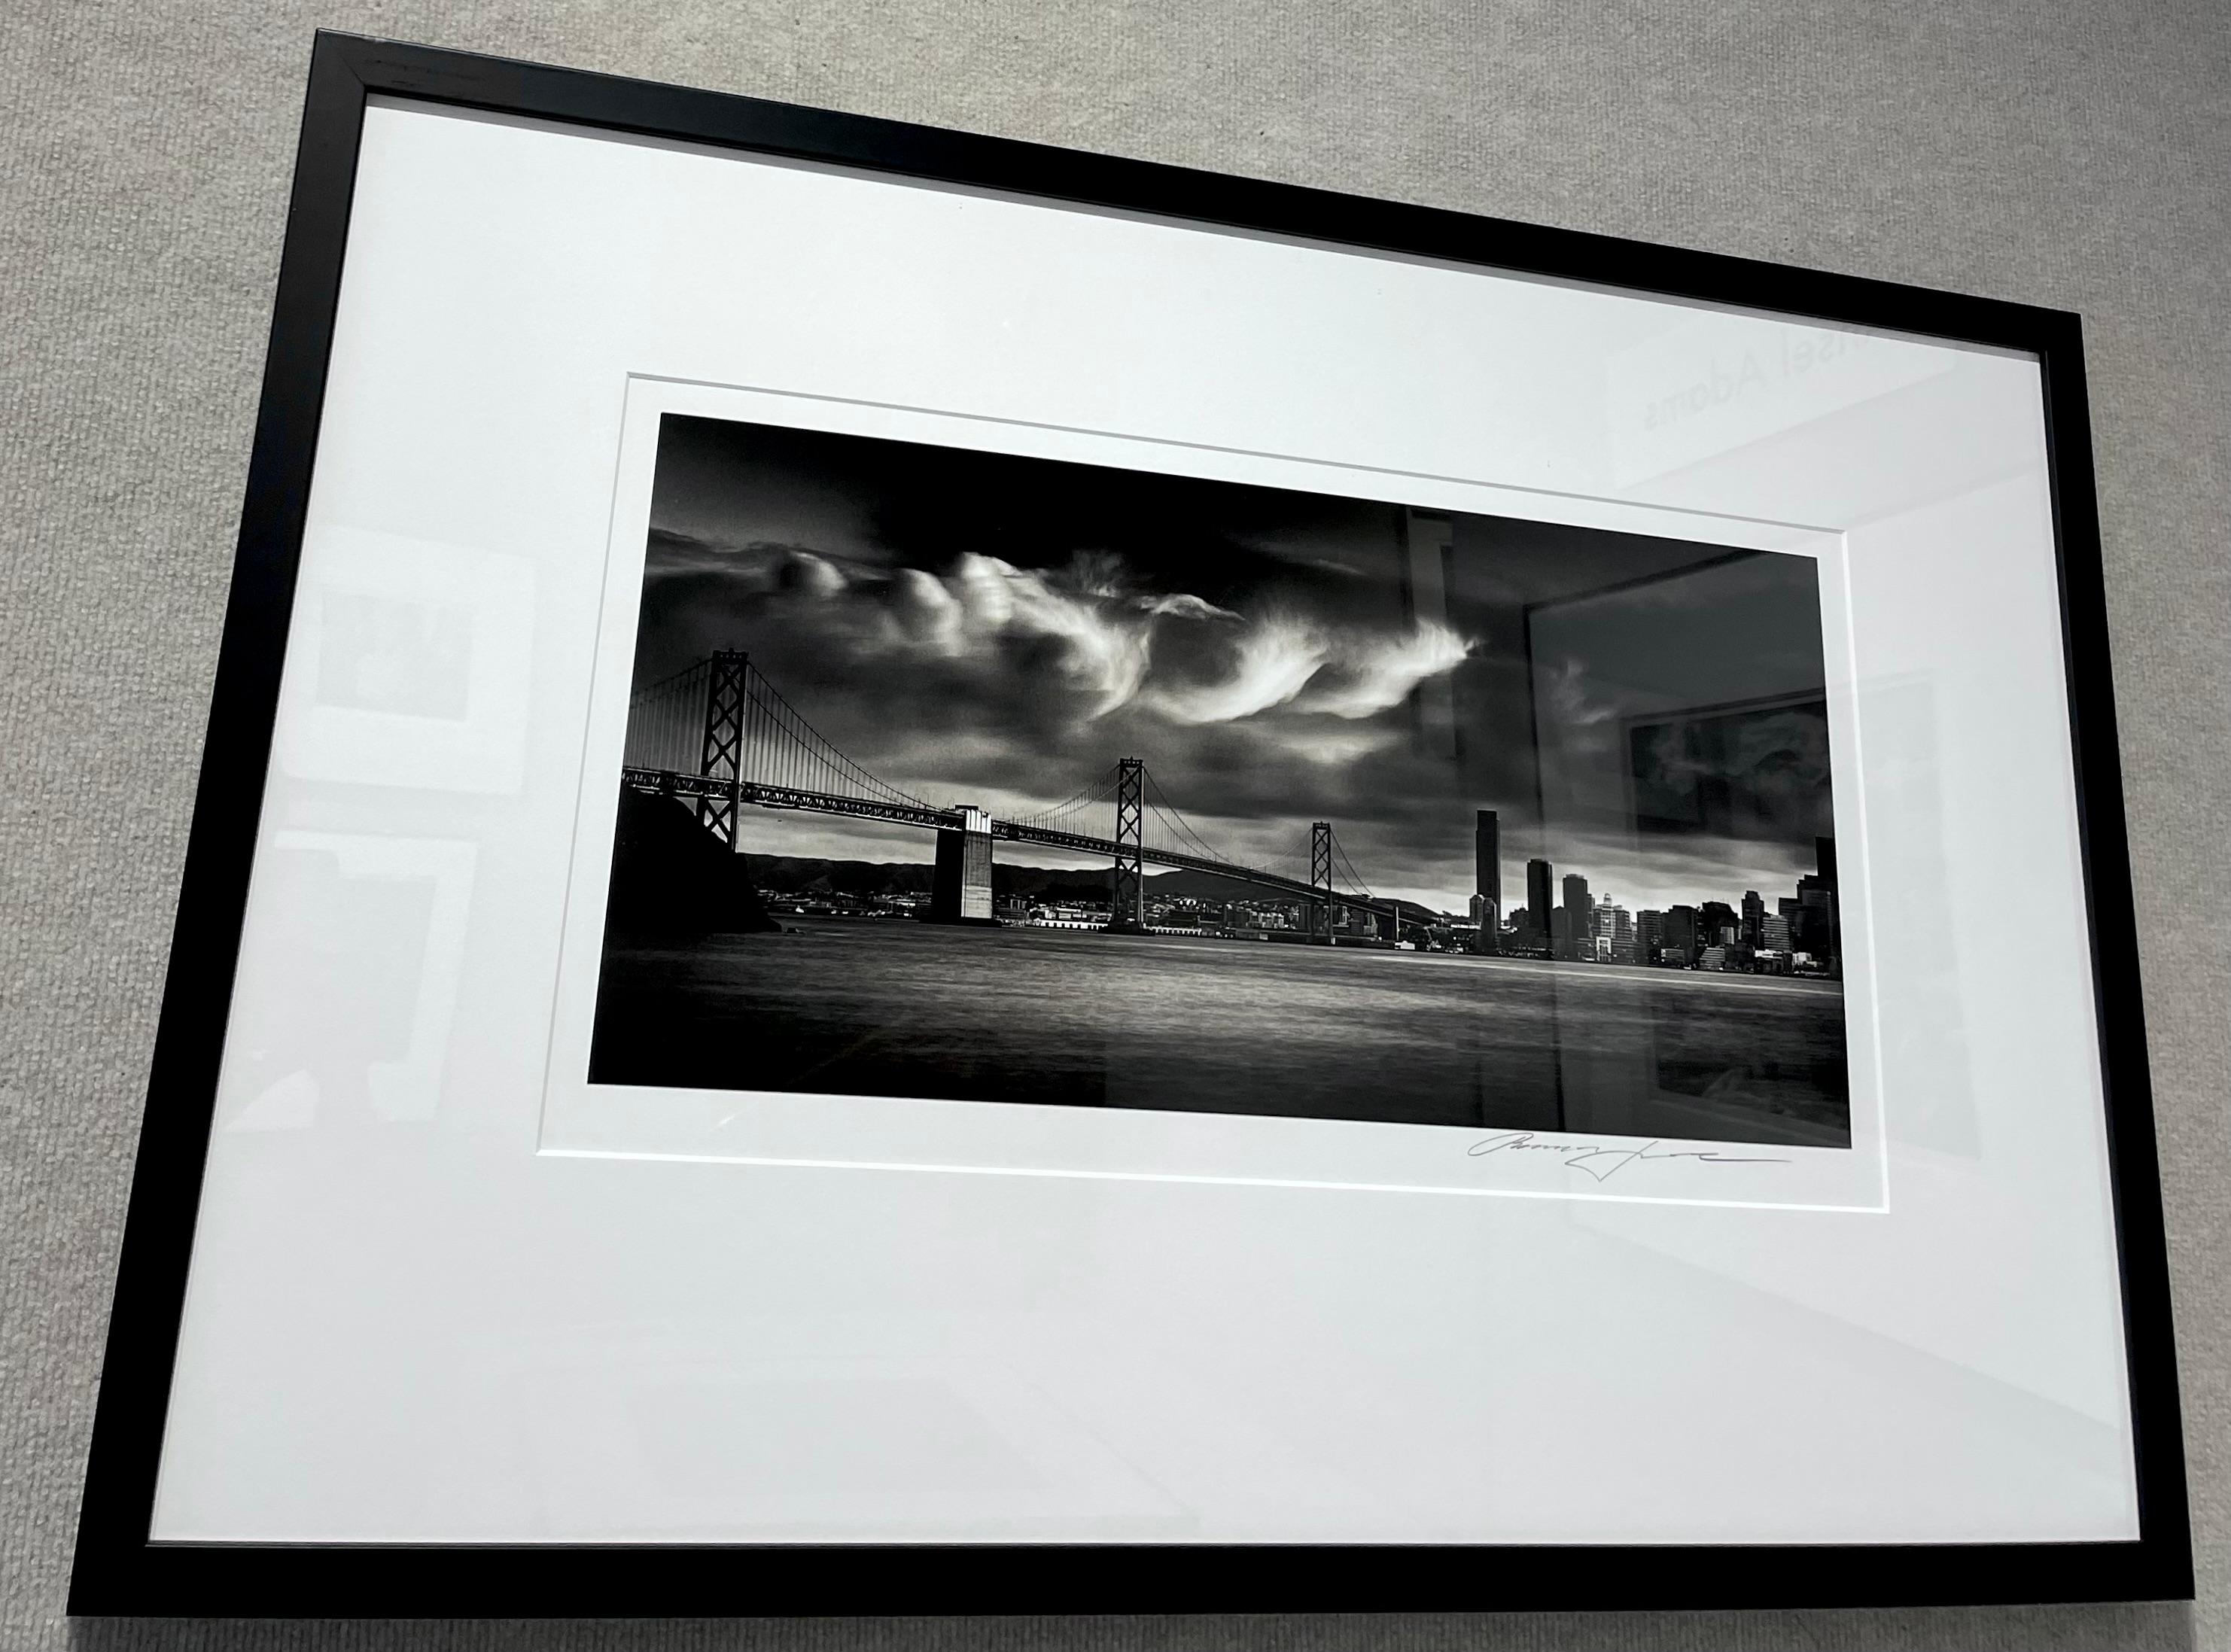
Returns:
point(965, 775)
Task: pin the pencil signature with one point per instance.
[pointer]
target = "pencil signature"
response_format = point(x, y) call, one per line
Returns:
point(1600, 1162)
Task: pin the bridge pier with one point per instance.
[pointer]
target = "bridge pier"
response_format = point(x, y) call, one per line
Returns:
point(960, 882)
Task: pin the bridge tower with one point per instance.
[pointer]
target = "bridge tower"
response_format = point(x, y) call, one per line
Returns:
point(1127, 880)
point(1321, 881)
point(722, 756)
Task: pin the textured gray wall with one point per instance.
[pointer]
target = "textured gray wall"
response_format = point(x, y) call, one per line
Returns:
point(2067, 152)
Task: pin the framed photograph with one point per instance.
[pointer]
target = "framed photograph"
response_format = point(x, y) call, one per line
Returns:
point(938, 875)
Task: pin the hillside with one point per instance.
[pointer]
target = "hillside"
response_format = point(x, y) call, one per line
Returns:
point(671, 877)
point(798, 874)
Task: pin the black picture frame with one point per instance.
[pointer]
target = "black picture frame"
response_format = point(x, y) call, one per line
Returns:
point(118, 1570)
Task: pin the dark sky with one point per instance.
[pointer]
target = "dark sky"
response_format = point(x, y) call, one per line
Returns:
point(975, 627)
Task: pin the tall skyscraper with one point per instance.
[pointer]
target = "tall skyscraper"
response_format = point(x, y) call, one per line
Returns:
point(1680, 932)
point(1815, 928)
point(1580, 919)
point(1487, 857)
point(1487, 871)
point(1754, 920)
point(1539, 901)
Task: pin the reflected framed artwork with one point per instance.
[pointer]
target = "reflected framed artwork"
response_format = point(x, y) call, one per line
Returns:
point(940, 875)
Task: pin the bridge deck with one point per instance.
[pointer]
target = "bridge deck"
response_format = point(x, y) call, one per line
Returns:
point(674, 784)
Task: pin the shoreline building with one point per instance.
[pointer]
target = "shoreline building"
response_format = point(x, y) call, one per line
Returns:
point(1580, 919)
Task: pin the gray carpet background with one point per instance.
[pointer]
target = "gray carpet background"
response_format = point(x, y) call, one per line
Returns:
point(2067, 152)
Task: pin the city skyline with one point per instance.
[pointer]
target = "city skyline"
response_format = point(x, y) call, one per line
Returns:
point(1600, 898)
point(1040, 859)
point(1796, 933)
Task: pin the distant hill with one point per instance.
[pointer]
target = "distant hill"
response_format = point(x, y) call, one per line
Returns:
point(803, 874)
point(800, 874)
point(1206, 886)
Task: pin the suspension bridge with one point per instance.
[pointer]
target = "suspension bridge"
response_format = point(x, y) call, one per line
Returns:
point(719, 737)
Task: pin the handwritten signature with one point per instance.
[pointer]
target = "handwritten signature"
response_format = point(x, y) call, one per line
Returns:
point(1603, 1163)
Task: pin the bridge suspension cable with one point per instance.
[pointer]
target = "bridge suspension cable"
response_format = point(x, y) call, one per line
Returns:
point(1182, 837)
point(781, 748)
point(1355, 883)
point(1075, 812)
point(666, 721)
point(723, 718)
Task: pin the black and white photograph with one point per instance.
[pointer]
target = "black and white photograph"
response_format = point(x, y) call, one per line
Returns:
point(957, 775)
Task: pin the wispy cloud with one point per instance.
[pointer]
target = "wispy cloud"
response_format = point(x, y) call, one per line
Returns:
point(1372, 674)
point(1086, 631)
point(1265, 663)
